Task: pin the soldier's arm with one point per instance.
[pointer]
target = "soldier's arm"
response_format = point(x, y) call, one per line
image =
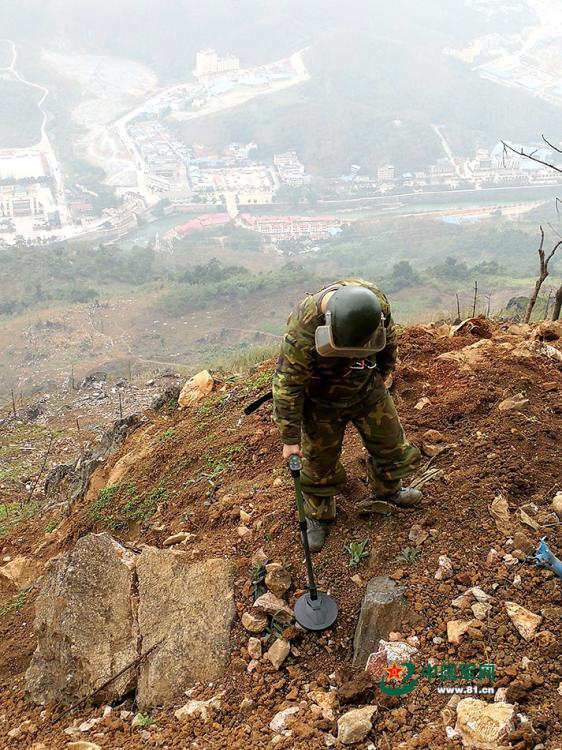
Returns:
point(294, 369)
point(386, 359)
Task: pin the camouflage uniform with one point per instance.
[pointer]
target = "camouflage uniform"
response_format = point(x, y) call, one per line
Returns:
point(314, 398)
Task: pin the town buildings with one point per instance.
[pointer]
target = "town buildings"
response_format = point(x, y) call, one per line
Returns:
point(209, 63)
point(292, 228)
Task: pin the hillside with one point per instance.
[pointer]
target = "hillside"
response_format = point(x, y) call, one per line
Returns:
point(218, 481)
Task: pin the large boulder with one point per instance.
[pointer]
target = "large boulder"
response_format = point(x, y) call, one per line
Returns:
point(103, 609)
point(85, 624)
point(189, 607)
point(383, 611)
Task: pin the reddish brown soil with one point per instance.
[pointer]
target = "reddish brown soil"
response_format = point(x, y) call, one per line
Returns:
point(518, 453)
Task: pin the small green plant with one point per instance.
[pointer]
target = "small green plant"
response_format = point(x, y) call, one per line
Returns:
point(408, 555)
point(264, 378)
point(12, 514)
point(121, 504)
point(167, 434)
point(14, 604)
point(357, 551)
point(172, 404)
point(144, 720)
point(52, 525)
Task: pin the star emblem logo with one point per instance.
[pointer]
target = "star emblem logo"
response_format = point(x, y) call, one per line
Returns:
point(394, 672)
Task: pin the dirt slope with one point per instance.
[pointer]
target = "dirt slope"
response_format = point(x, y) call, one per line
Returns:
point(206, 466)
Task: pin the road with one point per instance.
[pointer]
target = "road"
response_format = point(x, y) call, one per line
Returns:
point(449, 152)
point(44, 145)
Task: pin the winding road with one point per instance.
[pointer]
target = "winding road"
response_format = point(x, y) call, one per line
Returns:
point(44, 145)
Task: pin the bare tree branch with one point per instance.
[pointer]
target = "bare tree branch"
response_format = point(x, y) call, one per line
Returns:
point(530, 156)
point(543, 273)
point(551, 145)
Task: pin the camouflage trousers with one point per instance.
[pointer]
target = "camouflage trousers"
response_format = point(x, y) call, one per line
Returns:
point(391, 456)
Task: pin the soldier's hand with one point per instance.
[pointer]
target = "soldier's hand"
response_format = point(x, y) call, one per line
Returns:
point(291, 450)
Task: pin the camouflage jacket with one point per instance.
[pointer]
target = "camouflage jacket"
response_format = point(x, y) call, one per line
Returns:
point(328, 382)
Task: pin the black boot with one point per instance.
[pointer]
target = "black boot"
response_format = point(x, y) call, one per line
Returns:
point(316, 533)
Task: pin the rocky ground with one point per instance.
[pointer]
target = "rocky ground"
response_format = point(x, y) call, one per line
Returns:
point(202, 482)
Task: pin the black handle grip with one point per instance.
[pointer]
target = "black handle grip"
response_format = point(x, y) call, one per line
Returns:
point(295, 465)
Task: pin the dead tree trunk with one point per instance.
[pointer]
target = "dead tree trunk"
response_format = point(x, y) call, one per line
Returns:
point(557, 304)
point(543, 273)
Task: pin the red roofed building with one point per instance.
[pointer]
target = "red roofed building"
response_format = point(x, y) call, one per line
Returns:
point(200, 223)
point(283, 228)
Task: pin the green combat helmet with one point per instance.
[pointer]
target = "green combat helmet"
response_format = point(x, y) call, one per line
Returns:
point(354, 325)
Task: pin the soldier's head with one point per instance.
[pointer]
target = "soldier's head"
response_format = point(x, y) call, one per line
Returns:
point(354, 324)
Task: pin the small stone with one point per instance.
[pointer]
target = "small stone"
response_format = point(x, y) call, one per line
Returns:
point(445, 569)
point(492, 558)
point(526, 622)
point(254, 648)
point(514, 402)
point(479, 594)
point(418, 535)
point(277, 579)
point(355, 725)
point(423, 402)
point(357, 580)
point(204, 710)
point(247, 705)
point(254, 621)
point(328, 702)
point(557, 504)
point(524, 542)
point(81, 745)
point(243, 531)
point(433, 436)
point(456, 629)
point(178, 538)
point(462, 601)
point(275, 606)
point(431, 450)
point(283, 720)
point(278, 652)
point(245, 517)
point(137, 721)
point(277, 482)
point(499, 510)
point(482, 724)
point(259, 557)
point(480, 610)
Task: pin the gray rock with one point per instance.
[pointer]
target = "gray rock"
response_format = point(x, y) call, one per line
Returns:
point(383, 610)
point(190, 607)
point(102, 606)
point(85, 625)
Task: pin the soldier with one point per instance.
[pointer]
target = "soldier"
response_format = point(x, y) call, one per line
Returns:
point(339, 347)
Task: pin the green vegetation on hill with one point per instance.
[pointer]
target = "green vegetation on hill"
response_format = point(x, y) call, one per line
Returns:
point(214, 284)
point(39, 276)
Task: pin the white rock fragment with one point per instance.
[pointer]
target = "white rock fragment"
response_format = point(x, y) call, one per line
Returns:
point(355, 725)
point(204, 710)
point(445, 569)
point(283, 719)
point(526, 622)
point(484, 725)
